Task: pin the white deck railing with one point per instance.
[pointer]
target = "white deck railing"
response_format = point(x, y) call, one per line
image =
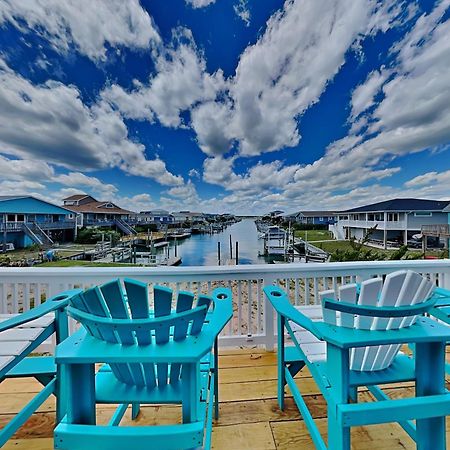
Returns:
point(253, 319)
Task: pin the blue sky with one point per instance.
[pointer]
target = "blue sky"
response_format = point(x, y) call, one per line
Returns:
point(240, 106)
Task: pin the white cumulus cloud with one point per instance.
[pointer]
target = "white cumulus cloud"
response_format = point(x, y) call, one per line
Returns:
point(88, 25)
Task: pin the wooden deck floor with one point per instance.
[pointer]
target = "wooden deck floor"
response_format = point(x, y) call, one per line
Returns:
point(249, 415)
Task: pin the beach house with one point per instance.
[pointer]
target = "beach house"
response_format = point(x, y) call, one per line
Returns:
point(392, 222)
point(26, 220)
point(91, 212)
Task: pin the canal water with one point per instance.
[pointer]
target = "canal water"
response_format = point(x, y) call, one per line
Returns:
point(201, 249)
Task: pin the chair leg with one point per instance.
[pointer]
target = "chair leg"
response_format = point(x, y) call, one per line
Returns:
point(338, 435)
point(353, 394)
point(61, 392)
point(281, 362)
point(216, 380)
point(338, 360)
point(135, 408)
point(430, 380)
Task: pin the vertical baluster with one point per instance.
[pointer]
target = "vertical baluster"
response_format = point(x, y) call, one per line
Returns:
point(3, 298)
point(26, 296)
point(239, 306)
point(335, 286)
point(324, 283)
point(316, 291)
point(307, 292)
point(37, 294)
point(230, 323)
point(209, 287)
point(296, 294)
point(258, 307)
point(250, 306)
point(15, 298)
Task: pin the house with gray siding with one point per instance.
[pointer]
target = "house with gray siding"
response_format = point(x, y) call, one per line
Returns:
point(393, 222)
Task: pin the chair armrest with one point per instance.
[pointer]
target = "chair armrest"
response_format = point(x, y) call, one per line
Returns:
point(282, 306)
point(425, 330)
point(223, 310)
point(55, 303)
point(442, 297)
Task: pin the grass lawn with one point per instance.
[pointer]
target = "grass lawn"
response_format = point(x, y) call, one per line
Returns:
point(314, 235)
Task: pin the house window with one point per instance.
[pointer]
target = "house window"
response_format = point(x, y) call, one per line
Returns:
point(109, 205)
point(423, 214)
point(392, 217)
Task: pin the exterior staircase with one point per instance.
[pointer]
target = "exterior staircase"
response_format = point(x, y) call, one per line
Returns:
point(37, 234)
point(125, 227)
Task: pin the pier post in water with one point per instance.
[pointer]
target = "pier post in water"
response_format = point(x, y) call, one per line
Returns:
point(218, 252)
point(237, 252)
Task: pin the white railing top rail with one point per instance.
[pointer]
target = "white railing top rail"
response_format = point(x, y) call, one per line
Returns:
point(240, 272)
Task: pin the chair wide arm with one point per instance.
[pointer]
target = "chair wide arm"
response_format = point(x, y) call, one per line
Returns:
point(223, 310)
point(279, 300)
point(58, 302)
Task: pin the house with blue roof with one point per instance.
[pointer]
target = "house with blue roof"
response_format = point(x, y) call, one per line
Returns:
point(26, 220)
point(315, 217)
point(393, 222)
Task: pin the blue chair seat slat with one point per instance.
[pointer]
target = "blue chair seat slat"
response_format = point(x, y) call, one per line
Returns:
point(77, 301)
point(184, 303)
point(137, 296)
point(114, 299)
point(138, 301)
point(197, 324)
point(95, 304)
point(163, 307)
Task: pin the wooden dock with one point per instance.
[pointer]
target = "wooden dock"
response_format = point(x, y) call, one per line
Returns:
point(249, 414)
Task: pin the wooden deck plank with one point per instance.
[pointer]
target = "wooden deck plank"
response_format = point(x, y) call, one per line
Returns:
point(249, 413)
point(253, 436)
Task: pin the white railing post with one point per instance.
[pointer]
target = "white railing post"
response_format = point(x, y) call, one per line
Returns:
point(444, 281)
point(269, 319)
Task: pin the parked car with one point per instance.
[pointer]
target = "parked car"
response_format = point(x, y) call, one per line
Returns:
point(413, 243)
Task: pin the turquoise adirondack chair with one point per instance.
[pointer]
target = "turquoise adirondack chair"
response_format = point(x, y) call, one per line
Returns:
point(354, 340)
point(160, 356)
point(20, 335)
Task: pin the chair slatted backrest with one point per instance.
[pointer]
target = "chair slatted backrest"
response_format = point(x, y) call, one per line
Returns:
point(401, 288)
point(131, 301)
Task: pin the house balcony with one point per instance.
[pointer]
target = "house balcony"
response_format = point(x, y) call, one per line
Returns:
point(249, 414)
point(380, 224)
point(57, 225)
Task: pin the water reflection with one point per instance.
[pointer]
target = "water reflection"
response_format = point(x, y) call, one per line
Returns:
point(201, 249)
